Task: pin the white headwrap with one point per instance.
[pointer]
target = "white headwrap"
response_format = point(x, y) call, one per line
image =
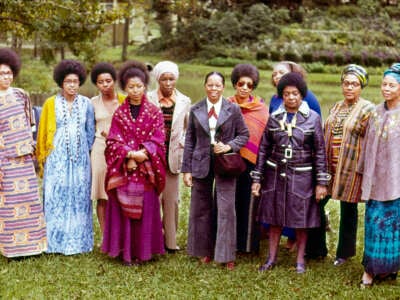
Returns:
point(165, 66)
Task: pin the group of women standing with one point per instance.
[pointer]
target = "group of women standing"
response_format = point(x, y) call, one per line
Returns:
point(126, 153)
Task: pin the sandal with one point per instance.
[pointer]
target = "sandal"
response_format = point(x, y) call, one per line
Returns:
point(366, 284)
point(269, 265)
point(300, 268)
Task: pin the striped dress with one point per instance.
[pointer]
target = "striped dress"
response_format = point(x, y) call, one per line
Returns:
point(22, 225)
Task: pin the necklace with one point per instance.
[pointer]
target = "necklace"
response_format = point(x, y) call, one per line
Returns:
point(74, 111)
point(288, 127)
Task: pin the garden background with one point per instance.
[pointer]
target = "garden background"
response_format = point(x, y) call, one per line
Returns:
point(201, 36)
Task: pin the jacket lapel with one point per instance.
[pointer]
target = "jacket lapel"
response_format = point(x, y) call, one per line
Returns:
point(224, 114)
point(200, 112)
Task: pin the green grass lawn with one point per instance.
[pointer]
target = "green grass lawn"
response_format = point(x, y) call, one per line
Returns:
point(178, 276)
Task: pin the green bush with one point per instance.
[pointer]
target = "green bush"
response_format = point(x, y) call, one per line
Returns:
point(224, 62)
point(275, 55)
point(339, 58)
point(307, 57)
point(356, 58)
point(262, 54)
point(291, 56)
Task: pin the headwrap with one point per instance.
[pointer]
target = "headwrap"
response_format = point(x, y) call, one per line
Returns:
point(393, 71)
point(165, 67)
point(292, 79)
point(358, 71)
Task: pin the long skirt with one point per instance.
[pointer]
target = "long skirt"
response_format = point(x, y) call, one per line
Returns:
point(22, 224)
point(131, 238)
point(382, 237)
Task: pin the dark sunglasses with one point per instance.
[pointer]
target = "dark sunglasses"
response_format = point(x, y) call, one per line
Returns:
point(242, 84)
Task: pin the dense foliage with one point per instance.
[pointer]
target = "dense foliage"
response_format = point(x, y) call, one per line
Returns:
point(366, 33)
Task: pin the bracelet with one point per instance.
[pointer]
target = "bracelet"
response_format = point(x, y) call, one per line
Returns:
point(256, 176)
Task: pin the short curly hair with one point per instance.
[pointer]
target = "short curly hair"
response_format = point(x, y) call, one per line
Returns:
point(292, 79)
point(66, 67)
point(101, 68)
point(245, 70)
point(130, 69)
point(10, 58)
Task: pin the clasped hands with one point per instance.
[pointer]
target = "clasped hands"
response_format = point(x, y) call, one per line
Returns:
point(135, 157)
point(219, 148)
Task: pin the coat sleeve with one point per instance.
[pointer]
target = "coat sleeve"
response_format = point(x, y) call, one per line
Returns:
point(320, 161)
point(241, 131)
point(263, 153)
point(190, 142)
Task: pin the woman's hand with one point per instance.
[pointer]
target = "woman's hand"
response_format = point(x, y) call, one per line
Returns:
point(104, 134)
point(131, 165)
point(139, 156)
point(221, 148)
point(255, 189)
point(320, 192)
point(187, 179)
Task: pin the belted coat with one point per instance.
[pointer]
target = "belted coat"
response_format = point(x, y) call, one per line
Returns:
point(292, 162)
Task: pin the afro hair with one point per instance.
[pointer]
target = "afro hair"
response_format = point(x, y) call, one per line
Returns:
point(10, 58)
point(66, 67)
point(102, 68)
point(132, 69)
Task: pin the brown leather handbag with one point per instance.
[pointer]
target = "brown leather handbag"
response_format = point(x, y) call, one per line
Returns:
point(229, 164)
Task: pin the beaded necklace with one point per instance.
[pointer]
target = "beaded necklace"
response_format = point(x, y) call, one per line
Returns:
point(74, 110)
point(288, 127)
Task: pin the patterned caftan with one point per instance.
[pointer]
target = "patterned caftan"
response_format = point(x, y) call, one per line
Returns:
point(22, 226)
point(67, 176)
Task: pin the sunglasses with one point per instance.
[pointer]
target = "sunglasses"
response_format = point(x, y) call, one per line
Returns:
point(242, 84)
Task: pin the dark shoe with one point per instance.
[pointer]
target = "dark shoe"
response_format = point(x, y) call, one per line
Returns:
point(388, 276)
point(339, 261)
point(230, 265)
point(269, 265)
point(300, 268)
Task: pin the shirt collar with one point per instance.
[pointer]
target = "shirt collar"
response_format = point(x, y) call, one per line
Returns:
point(304, 109)
point(217, 105)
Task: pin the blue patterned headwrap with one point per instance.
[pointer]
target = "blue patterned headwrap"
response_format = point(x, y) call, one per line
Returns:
point(393, 71)
point(358, 71)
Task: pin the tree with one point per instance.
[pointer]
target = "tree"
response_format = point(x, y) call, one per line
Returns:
point(56, 24)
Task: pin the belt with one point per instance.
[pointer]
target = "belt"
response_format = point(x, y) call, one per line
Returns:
point(304, 168)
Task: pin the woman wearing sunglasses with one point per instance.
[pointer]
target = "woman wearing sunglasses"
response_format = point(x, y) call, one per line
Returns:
point(245, 78)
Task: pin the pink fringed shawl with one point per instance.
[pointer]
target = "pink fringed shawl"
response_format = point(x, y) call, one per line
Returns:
point(128, 134)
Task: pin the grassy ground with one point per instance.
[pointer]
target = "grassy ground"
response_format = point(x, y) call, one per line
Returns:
point(95, 276)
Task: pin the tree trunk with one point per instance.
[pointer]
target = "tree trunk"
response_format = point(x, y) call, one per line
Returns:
point(125, 41)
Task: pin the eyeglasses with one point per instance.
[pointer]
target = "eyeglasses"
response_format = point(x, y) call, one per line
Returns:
point(71, 82)
point(243, 83)
point(354, 84)
point(6, 74)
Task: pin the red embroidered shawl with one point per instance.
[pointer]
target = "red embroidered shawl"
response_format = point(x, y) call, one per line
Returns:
point(128, 134)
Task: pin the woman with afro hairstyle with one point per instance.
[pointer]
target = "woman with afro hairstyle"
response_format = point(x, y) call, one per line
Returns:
point(136, 166)
point(103, 76)
point(23, 230)
point(65, 138)
point(245, 78)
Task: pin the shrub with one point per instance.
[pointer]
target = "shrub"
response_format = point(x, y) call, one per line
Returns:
point(262, 54)
point(356, 58)
point(307, 57)
point(291, 56)
point(224, 62)
point(276, 55)
point(339, 58)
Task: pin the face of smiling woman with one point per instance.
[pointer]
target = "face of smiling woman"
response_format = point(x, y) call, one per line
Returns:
point(6, 77)
point(292, 99)
point(214, 88)
point(390, 89)
point(70, 86)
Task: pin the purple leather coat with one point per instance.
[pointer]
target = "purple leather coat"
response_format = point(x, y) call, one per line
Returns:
point(291, 167)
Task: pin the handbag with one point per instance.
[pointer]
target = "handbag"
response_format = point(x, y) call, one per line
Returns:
point(229, 164)
point(130, 199)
